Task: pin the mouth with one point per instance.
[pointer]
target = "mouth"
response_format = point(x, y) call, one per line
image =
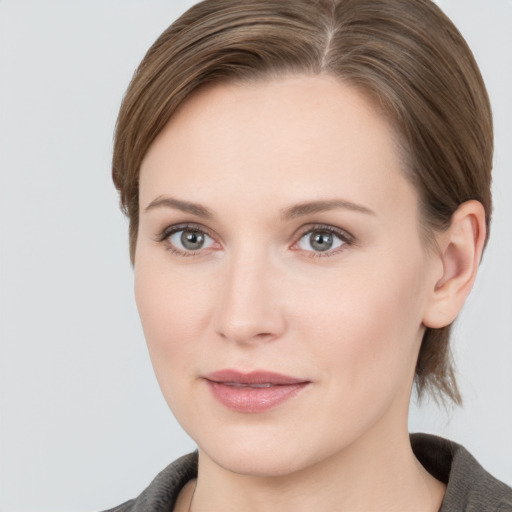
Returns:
point(253, 392)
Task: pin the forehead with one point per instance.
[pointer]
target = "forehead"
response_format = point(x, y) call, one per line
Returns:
point(302, 133)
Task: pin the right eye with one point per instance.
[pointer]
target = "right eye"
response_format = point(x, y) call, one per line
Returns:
point(190, 240)
point(187, 240)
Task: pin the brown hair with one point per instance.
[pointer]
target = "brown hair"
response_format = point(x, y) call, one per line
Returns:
point(405, 54)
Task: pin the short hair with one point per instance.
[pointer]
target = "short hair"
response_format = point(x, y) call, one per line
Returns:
point(406, 56)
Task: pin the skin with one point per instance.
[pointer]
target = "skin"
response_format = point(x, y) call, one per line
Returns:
point(258, 296)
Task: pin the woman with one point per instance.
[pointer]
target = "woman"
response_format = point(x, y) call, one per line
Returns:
point(308, 189)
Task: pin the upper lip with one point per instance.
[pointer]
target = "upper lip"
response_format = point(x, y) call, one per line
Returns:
point(229, 376)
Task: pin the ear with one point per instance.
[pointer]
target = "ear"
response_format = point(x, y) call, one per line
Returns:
point(460, 251)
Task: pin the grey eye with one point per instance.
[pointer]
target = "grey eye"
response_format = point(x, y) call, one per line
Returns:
point(190, 240)
point(319, 241)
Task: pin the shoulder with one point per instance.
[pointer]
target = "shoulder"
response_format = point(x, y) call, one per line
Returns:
point(470, 488)
point(162, 492)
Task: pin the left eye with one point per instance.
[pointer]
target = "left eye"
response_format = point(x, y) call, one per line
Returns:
point(320, 240)
point(190, 240)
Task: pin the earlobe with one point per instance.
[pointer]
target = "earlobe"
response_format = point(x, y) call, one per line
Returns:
point(460, 251)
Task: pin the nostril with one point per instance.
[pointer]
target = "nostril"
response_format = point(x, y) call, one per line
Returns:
point(247, 338)
point(264, 335)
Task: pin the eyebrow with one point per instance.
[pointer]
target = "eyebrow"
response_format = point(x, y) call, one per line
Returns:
point(310, 207)
point(298, 210)
point(176, 204)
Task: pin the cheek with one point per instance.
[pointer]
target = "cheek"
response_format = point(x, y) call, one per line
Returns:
point(365, 325)
point(174, 310)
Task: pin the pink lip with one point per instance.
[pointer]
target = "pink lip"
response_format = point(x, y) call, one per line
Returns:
point(253, 392)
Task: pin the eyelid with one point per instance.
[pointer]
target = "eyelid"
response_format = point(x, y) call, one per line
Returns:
point(174, 228)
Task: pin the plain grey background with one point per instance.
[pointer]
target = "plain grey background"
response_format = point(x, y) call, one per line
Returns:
point(83, 425)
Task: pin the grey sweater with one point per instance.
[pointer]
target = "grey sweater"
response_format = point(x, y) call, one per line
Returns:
point(469, 487)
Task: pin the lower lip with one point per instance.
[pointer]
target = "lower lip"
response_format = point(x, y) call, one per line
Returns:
point(254, 399)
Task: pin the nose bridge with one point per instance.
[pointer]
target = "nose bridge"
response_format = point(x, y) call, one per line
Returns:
point(247, 310)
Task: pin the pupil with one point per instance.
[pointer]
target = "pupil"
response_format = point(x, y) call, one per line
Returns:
point(192, 240)
point(321, 241)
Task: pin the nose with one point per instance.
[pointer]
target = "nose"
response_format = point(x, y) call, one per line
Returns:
point(249, 309)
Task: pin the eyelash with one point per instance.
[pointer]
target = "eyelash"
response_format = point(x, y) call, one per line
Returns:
point(341, 234)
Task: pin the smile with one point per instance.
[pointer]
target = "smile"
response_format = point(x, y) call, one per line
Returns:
point(253, 392)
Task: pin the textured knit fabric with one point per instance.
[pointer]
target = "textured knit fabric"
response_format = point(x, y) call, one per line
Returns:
point(163, 491)
point(469, 487)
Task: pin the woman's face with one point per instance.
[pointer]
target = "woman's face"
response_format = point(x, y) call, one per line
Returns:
point(279, 273)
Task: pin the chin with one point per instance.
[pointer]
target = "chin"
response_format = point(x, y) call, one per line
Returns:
point(265, 451)
point(262, 463)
